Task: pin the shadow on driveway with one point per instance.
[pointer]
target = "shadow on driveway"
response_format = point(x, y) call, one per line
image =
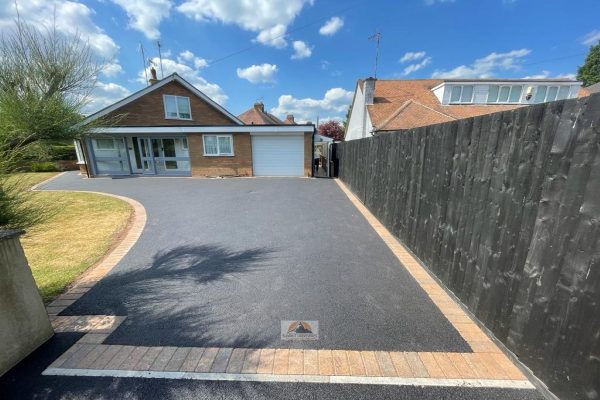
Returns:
point(165, 303)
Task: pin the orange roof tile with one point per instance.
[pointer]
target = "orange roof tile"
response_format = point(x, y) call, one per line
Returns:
point(405, 104)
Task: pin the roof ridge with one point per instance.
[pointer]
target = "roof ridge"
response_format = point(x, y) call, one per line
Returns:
point(394, 114)
point(439, 112)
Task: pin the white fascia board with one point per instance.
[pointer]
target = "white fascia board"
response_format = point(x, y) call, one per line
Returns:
point(509, 82)
point(438, 86)
point(252, 129)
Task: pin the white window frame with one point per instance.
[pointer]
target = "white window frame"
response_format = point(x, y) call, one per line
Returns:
point(219, 154)
point(461, 93)
point(165, 96)
point(510, 89)
point(558, 87)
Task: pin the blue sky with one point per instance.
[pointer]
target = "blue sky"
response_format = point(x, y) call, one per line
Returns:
point(304, 56)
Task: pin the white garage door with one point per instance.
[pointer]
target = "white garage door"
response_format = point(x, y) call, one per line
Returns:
point(278, 155)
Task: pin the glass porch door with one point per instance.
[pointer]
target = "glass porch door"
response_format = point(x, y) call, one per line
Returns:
point(171, 156)
point(159, 156)
point(142, 160)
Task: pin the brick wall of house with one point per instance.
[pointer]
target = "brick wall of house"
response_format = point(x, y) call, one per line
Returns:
point(308, 154)
point(149, 110)
point(238, 165)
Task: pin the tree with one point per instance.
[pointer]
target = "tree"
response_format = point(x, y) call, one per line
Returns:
point(347, 118)
point(45, 80)
point(332, 129)
point(589, 72)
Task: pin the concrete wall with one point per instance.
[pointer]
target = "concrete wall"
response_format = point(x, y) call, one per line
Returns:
point(24, 323)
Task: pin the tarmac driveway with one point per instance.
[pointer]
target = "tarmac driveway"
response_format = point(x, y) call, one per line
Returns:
point(222, 262)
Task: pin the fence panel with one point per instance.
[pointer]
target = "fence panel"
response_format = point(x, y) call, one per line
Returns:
point(505, 209)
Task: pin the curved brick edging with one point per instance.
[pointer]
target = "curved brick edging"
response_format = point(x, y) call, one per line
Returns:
point(128, 237)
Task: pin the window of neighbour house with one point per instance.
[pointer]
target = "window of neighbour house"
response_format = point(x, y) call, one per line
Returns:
point(504, 93)
point(218, 145)
point(461, 94)
point(177, 107)
point(550, 93)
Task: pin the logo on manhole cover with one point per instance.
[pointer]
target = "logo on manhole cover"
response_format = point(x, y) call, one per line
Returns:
point(299, 330)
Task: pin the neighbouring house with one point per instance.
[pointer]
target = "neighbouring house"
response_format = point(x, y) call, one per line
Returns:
point(172, 128)
point(258, 116)
point(391, 105)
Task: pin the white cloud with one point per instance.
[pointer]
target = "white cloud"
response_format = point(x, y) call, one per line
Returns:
point(333, 105)
point(145, 15)
point(72, 18)
point(274, 37)
point(112, 69)
point(104, 95)
point(189, 57)
point(332, 26)
point(264, 73)
point(268, 18)
point(487, 66)
point(432, 2)
point(412, 56)
point(191, 74)
point(301, 50)
point(591, 38)
point(417, 66)
point(546, 74)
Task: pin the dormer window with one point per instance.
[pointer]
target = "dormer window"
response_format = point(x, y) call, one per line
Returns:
point(461, 94)
point(177, 107)
point(505, 94)
point(550, 93)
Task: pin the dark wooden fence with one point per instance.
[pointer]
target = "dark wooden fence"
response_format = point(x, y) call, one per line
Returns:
point(505, 210)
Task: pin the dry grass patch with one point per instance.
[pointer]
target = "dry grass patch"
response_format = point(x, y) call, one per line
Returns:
point(81, 229)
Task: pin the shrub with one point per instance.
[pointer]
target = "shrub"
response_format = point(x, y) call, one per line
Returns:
point(62, 152)
point(45, 166)
point(18, 209)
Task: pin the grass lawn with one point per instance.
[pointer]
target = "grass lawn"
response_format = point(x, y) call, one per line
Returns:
point(82, 228)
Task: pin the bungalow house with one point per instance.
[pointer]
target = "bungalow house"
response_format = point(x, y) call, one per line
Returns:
point(390, 105)
point(171, 128)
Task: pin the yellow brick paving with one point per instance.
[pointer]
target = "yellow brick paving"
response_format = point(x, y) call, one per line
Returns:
point(89, 354)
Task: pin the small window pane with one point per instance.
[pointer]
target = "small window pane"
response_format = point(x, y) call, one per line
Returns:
point(540, 94)
point(493, 94)
point(504, 92)
point(210, 145)
point(563, 92)
point(455, 95)
point(467, 94)
point(183, 106)
point(105, 144)
point(552, 92)
point(225, 145)
point(171, 106)
point(515, 94)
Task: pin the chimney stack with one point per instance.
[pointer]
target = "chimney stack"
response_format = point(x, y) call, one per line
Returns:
point(369, 89)
point(153, 78)
point(290, 119)
point(259, 106)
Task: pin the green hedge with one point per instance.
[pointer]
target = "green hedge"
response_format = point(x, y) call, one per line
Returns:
point(45, 166)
